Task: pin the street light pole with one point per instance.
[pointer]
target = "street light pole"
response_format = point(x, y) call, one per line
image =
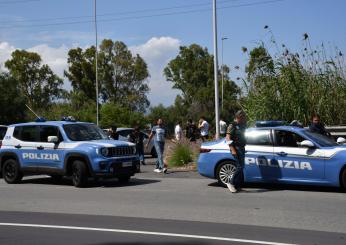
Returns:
point(217, 115)
point(222, 70)
point(96, 68)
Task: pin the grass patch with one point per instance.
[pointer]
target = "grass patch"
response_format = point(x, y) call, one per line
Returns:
point(180, 154)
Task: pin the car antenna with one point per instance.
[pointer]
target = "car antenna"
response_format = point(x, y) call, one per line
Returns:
point(39, 119)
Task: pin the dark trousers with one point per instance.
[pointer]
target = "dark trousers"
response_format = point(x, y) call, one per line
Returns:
point(237, 177)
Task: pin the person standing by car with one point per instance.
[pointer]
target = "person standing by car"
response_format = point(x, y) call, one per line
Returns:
point(223, 127)
point(137, 137)
point(178, 131)
point(158, 132)
point(236, 140)
point(113, 133)
point(317, 126)
point(203, 126)
point(191, 130)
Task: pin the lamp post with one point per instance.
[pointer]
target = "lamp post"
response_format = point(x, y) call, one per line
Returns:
point(96, 68)
point(217, 115)
point(222, 70)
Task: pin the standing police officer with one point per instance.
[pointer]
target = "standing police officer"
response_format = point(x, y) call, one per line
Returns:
point(235, 137)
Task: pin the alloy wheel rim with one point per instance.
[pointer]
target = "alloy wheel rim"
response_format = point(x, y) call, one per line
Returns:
point(226, 172)
point(10, 171)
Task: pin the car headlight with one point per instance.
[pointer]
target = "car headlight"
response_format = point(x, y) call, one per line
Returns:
point(104, 151)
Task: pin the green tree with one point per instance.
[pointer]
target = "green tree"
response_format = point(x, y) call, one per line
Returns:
point(192, 72)
point(36, 82)
point(12, 104)
point(81, 71)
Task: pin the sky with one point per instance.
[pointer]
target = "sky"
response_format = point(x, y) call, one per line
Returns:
point(155, 29)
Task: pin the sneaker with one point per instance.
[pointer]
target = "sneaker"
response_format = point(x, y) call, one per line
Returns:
point(164, 170)
point(231, 188)
point(156, 170)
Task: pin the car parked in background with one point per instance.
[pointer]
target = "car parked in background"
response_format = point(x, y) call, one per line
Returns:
point(124, 136)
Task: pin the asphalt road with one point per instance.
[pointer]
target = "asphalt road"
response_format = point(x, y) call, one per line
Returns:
point(176, 208)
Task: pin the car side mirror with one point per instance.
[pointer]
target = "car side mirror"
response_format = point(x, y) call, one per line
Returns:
point(341, 140)
point(307, 143)
point(53, 139)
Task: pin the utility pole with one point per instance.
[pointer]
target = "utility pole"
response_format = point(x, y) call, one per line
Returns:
point(96, 68)
point(217, 115)
point(222, 70)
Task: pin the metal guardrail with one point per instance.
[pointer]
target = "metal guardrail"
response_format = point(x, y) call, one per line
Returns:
point(337, 131)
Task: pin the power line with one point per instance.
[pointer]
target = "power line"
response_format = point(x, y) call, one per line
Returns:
point(143, 16)
point(18, 1)
point(118, 13)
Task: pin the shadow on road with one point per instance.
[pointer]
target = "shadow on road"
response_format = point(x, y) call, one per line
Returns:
point(265, 187)
point(107, 183)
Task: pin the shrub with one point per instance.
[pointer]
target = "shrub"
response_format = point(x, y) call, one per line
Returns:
point(180, 154)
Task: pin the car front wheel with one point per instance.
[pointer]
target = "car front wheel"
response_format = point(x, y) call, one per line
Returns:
point(224, 172)
point(79, 174)
point(11, 172)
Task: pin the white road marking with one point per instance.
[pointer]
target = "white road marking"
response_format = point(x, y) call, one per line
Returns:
point(145, 233)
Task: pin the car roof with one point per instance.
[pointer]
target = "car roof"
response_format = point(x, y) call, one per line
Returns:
point(119, 129)
point(50, 123)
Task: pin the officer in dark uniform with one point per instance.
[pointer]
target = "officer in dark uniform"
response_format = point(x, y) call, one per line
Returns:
point(317, 126)
point(235, 137)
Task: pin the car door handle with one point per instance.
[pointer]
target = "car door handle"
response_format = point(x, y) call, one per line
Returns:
point(40, 147)
point(18, 146)
point(283, 154)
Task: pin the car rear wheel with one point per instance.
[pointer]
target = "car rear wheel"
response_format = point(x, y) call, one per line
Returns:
point(343, 179)
point(11, 172)
point(79, 174)
point(224, 172)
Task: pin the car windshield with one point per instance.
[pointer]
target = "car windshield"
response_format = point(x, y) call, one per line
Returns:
point(84, 132)
point(320, 139)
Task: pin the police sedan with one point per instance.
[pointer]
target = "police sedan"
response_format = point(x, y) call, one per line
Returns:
point(282, 154)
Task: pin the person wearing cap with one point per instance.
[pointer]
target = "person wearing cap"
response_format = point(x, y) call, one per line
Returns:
point(235, 137)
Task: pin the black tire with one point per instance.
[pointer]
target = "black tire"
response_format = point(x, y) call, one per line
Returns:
point(343, 179)
point(138, 167)
point(11, 172)
point(224, 172)
point(79, 174)
point(124, 179)
point(153, 152)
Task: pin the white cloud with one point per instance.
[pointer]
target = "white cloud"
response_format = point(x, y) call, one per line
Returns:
point(5, 53)
point(157, 52)
point(55, 58)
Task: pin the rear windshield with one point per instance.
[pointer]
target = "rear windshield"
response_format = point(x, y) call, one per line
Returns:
point(84, 132)
point(2, 132)
point(322, 140)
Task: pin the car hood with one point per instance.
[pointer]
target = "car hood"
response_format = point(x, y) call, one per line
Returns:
point(104, 143)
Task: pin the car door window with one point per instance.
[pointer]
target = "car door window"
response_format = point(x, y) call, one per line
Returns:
point(26, 133)
point(258, 137)
point(46, 131)
point(287, 139)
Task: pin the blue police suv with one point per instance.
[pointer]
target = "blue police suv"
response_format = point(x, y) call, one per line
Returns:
point(280, 154)
point(64, 148)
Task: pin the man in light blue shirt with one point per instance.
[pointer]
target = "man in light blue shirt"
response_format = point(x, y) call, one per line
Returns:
point(158, 132)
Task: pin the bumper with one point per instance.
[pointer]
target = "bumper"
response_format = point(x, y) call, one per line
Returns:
point(118, 169)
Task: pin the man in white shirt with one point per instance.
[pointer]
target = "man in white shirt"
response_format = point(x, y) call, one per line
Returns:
point(204, 128)
point(178, 131)
point(223, 128)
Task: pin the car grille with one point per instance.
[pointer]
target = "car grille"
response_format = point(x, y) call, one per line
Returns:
point(121, 151)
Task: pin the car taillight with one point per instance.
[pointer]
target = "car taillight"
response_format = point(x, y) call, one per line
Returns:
point(203, 150)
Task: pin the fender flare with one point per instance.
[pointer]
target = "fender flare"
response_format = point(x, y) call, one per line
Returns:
point(78, 155)
point(8, 154)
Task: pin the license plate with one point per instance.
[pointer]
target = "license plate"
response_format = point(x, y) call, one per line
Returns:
point(127, 164)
